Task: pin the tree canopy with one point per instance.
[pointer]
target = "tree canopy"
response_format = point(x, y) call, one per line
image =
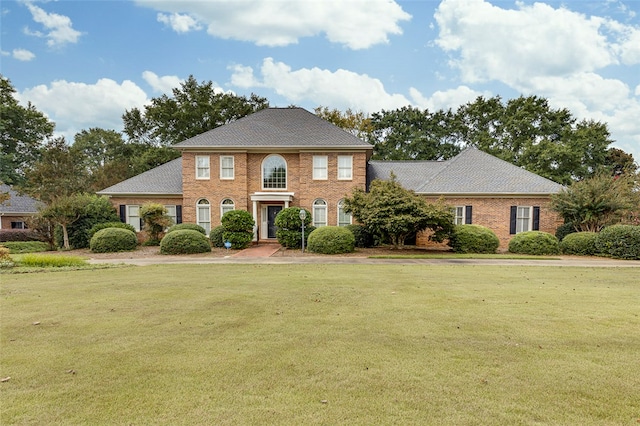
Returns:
point(193, 109)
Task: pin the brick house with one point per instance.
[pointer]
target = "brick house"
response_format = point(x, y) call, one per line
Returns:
point(281, 157)
point(15, 211)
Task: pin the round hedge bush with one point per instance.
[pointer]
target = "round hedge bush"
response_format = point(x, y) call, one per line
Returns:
point(579, 243)
point(619, 241)
point(101, 226)
point(534, 242)
point(190, 226)
point(289, 227)
point(331, 240)
point(216, 236)
point(364, 238)
point(473, 239)
point(238, 228)
point(184, 241)
point(111, 240)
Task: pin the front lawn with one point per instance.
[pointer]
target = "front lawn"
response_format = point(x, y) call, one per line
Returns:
point(321, 344)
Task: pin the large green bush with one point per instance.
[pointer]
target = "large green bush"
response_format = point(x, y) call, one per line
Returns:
point(110, 240)
point(579, 243)
point(473, 239)
point(96, 210)
point(184, 241)
point(564, 230)
point(331, 240)
point(619, 241)
point(106, 225)
point(216, 236)
point(289, 227)
point(534, 242)
point(364, 237)
point(190, 226)
point(238, 228)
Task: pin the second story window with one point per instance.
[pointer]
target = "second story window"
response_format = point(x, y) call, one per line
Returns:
point(320, 167)
point(203, 170)
point(226, 167)
point(274, 173)
point(345, 167)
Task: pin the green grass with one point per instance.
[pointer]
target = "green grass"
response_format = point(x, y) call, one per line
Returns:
point(49, 261)
point(16, 247)
point(321, 344)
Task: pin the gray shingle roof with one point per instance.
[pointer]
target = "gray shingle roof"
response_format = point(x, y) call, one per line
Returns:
point(276, 128)
point(17, 203)
point(164, 179)
point(470, 172)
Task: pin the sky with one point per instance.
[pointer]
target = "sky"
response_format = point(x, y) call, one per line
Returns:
point(84, 63)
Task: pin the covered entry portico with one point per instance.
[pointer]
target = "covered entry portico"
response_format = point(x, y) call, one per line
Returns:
point(266, 205)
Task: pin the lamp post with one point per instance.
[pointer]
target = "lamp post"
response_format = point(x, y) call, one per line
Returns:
point(303, 216)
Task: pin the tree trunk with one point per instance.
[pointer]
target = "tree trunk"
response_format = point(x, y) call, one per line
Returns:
point(65, 237)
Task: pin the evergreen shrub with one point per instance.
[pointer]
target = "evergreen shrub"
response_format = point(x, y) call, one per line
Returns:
point(564, 230)
point(184, 241)
point(18, 235)
point(619, 241)
point(473, 239)
point(331, 240)
point(96, 210)
point(289, 227)
point(190, 226)
point(111, 240)
point(364, 238)
point(579, 243)
point(534, 242)
point(238, 228)
point(106, 225)
point(216, 236)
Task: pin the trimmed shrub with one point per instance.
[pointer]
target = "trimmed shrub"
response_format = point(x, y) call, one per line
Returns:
point(289, 227)
point(238, 228)
point(190, 226)
point(580, 243)
point(364, 238)
point(473, 239)
point(184, 241)
point(18, 235)
point(111, 240)
point(619, 241)
point(564, 230)
point(534, 242)
point(331, 240)
point(216, 236)
point(106, 225)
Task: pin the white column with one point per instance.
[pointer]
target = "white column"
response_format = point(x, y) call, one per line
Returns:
point(255, 220)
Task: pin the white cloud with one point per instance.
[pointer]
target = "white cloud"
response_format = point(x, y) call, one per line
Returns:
point(77, 106)
point(179, 23)
point(23, 55)
point(357, 24)
point(164, 84)
point(59, 27)
point(338, 89)
point(446, 99)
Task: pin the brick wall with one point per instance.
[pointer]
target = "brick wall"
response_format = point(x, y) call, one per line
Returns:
point(494, 213)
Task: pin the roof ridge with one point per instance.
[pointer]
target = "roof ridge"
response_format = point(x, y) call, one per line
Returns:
point(447, 164)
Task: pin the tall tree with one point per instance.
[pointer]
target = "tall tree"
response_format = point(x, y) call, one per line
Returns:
point(619, 162)
point(410, 133)
point(58, 173)
point(193, 109)
point(64, 211)
point(356, 123)
point(396, 213)
point(23, 130)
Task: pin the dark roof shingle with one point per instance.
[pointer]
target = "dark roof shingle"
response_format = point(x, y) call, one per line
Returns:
point(164, 179)
point(18, 203)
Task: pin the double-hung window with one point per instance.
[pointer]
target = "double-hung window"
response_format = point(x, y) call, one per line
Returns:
point(524, 218)
point(203, 169)
point(133, 216)
point(227, 167)
point(344, 218)
point(172, 212)
point(319, 213)
point(462, 215)
point(320, 167)
point(204, 214)
point(345, 167)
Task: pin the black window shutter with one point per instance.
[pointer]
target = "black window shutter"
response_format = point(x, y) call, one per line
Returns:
point(178, 214)
point(123, 213)
point(512, 221)
point(536, 218)
point(467, 215)
point(141, 224)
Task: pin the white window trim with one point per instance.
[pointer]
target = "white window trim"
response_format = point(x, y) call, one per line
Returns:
point(207, 168)
point(324, 207)
point(321, 172)
point(233, 167)
point(519, 219)
point(350, 177)
point(222, 209)
point(341, 208)
point(286, 171)
point(462, 217)
point(205, 224)
point(174, 216)
point(136, 223)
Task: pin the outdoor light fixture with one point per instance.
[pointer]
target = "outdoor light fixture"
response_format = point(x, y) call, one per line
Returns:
point(303, 216)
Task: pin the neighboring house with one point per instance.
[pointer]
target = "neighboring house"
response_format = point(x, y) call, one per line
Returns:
point(16, 209)
point(281, 157)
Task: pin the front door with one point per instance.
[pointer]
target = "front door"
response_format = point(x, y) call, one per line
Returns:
point(272, 212)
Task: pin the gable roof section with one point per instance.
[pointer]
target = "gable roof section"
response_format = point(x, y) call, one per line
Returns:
point(276, 128)
point(165, 179)
point(18, 204)
point(472, 172)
